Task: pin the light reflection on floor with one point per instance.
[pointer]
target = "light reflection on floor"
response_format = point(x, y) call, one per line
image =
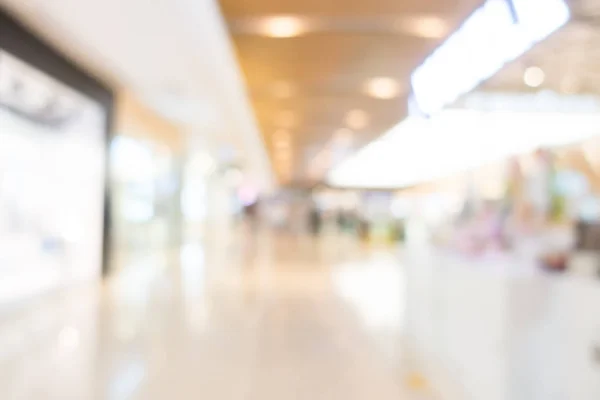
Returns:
point(374, 288)
point(268, 317)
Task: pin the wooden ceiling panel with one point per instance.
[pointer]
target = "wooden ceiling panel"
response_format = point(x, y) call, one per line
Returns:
point(321, 59)
point(304, 59)
point(308, 84)
point(238, 8)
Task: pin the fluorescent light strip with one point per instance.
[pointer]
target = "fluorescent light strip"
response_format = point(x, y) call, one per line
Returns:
point(486, 41)
point(421, 150)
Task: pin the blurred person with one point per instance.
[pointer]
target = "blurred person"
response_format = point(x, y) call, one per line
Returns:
point(341, 220)
point(251, 215)
point(315, 220)
point(363, 228)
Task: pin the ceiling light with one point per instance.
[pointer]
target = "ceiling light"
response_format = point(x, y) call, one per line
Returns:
point(404, 156)
point(284, 164)
point(281, 135)
point(282, 90)
point(286, 119)
point(343, 136)
point(282, 144)
point(357, 119)
point(283, 27)
point(568, 86)
point(283, 154)
point(451, 72)
point(382, 88)
point(534, 77)
point(425, 27)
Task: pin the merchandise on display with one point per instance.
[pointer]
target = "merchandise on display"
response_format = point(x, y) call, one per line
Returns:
point(52, 178)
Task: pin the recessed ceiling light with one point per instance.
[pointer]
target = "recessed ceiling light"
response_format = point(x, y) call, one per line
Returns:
point(282, 90)
point(286, 119)
point(281, 135)
point(343, 136)
point(283, 152)
point(357, 119)
point(282, 144)
point(283, 26)
point(568, 86)
point(382, 88)
point(428, 27)
point(534, 77)
point(283, 158)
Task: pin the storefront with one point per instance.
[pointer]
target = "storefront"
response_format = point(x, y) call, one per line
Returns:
point(54, 125)
point(146, 159)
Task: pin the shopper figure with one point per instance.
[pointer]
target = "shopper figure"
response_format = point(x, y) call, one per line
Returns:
point(315, 221)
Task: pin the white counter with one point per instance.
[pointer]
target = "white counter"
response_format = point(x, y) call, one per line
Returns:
point(502, 329)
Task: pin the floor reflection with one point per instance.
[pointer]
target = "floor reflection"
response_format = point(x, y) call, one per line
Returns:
point(270, 316)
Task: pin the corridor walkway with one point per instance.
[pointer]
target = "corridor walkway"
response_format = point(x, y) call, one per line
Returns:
point(273, 317)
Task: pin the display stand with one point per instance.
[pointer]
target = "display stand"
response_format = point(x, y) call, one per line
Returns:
point(503, 329)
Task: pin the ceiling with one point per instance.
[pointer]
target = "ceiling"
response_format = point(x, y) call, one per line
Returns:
point(304, 86)
point(175, 55)
point(566, 63)
point(569, 59)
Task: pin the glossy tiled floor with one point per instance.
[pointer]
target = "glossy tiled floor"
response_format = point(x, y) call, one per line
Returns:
point(269, 317)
